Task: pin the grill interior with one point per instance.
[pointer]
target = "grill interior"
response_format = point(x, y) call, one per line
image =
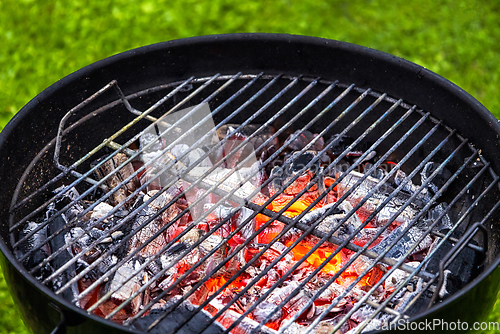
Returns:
point(109, 122)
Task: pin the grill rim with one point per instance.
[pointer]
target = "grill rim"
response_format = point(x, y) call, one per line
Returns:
point(272, 38)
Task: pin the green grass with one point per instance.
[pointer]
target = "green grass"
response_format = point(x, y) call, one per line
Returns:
point(43, 41)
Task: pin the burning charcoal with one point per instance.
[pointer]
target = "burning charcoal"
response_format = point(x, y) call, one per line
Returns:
point(154, 267)
point(346, 230)
point(444, 223)
point(249, 228)
point(228, 152)
point(362, 313)
point(378, 173)
point(406, 295)
point(110, 167)
point(81, 240)
point(245, 326)
point(264, 309)
point(451, 284)
point(373, 202)
point(154, 225)
point(298, 302)
point(36, 241)
point(107, 263)
point(341, 143)
point(277, 296)
point(176, 318)
point(256, 175)
point(281, 177)
point(348, 227)
point(406, 242)
point(297, 162)
point(304, 138)
point(124, 287)
point(154, 140)
point(216, 258)
point(399, 248)
point(334, 290)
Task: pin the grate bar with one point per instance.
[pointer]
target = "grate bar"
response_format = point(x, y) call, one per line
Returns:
point(427, 258)
point(171, 202)
point(132, 195)
point(273, 156)
point(345, 242)
point(208, 187)
point(66, 189)
point(119, 167)
point(272, 214)
point(182, 173)
point(401, 261)
point(486, 217)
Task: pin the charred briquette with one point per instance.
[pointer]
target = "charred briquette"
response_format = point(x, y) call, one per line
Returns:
point(36, 241)
point(298, 161)
point(56, 243)
point(439, 180)
point(462, 269)
point(113, 181)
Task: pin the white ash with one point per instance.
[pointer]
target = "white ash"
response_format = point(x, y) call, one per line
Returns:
point(125, 289)
point(405, 296)
point(232, 183)
point(253, 172)
point(101, 210)
point(193, 155)
point(150, 138)
point(73, 211)
point(220, 212)
point(423, 195)
point(398, 276)
point(249, 227)
point(443, 291)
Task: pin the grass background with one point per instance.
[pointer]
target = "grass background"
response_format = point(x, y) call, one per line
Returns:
point(43, 41)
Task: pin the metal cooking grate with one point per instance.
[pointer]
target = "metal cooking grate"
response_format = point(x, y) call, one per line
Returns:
point(393, 129)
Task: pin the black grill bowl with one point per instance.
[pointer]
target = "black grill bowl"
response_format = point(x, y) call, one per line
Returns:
point(36, 124)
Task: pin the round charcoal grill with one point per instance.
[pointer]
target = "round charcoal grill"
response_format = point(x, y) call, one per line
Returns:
point(388, 134)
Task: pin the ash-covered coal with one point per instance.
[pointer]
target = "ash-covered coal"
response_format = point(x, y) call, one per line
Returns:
point(159, 237)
